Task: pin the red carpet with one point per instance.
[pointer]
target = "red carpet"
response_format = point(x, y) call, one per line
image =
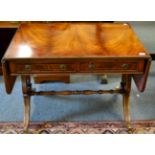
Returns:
point(138, 127)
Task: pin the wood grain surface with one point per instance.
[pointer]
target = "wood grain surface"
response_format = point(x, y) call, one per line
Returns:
point(75, 39)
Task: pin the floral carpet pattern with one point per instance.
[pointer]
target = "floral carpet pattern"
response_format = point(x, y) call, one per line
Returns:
point(137, 127)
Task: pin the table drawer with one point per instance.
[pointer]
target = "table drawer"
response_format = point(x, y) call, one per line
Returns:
point(78, 67)
point(41, 68)
point(112, 67)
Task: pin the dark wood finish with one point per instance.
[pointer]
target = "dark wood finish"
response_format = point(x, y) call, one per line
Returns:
point(64, 48)
point(141, 79)
point(77, 66)
point(6, 35)
point(8, 79)
point(78, 92)
point(80, 41)
point(7, 31)
point(55, 78)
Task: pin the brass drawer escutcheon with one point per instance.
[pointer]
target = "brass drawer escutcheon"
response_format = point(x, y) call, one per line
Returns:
point(27, 68)
point(91, 66)
point(62, 67)
point(125, 66)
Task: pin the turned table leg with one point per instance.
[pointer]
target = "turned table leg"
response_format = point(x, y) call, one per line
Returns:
point(26, 87)
point(126, 86)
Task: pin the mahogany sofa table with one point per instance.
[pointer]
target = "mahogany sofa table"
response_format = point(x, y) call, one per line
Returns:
point(63, 48)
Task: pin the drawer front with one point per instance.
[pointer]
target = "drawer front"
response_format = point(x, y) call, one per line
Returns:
point(112, 67)
point(41, 68)
point(79, 67)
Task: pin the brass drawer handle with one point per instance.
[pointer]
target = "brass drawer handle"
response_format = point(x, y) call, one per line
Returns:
point(62, 67)
point(27, 67)
point(91, 66)
point(125, 66)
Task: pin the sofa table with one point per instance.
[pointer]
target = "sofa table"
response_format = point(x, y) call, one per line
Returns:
point(63, 48)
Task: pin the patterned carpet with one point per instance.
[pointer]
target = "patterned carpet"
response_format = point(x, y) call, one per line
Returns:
point(138, 127)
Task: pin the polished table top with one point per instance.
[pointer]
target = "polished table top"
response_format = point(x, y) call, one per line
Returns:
point(75, 39)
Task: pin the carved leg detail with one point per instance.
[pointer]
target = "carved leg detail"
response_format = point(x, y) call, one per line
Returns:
point(126, 85)
point(26, 87)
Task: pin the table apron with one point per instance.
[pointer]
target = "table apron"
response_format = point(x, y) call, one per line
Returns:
point(92, 67)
